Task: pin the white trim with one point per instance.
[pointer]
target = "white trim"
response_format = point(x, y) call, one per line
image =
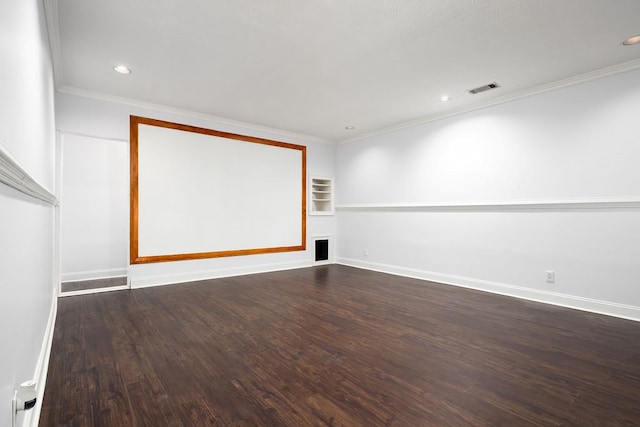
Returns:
point(87, 135)
point(31, 418)
point(170, 279)
point(278, 133)
point(55, 46)
point(550, 204)
point(80, 276)
point(51, 15)
point(94, 291)
point(13, 174)
point(57, 220)
point(623, 311)
point(558, 84)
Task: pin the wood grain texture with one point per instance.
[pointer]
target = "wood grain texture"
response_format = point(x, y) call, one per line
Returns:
point(337, 346)
point(217, 254)
point(133, 190)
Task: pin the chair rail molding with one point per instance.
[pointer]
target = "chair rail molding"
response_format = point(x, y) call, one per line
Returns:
point(13, 174)
point(505, 205)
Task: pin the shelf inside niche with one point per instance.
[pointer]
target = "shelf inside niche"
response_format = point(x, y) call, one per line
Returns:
point(321, 200)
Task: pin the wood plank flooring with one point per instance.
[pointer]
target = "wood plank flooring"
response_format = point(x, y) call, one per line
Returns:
point(336, 346)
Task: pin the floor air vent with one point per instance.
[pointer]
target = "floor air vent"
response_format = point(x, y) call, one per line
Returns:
point(484, 88)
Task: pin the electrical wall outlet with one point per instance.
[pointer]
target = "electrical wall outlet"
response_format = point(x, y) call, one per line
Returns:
point(551, 276)
point(365, 252)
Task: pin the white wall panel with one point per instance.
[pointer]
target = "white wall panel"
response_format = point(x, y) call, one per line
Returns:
point(26, 224)
point(575, 144)
point(205, 193)
point(94, 205)
point(110, 120)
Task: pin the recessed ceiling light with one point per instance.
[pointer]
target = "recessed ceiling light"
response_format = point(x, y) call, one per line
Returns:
point(445, 98)
point(121, 69)
point(632, 40)
point(350, 127)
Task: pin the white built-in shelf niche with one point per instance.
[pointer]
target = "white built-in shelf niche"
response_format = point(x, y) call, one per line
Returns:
point(321, 202)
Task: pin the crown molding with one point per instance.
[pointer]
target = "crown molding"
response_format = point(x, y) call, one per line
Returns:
point(547, 87)
point(278, 133)
point(51, 15)
point(55, 46)
point(88, 135)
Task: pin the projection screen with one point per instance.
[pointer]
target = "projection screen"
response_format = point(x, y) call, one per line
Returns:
point(201, 193)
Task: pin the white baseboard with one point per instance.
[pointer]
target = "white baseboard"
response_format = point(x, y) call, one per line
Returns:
point(32, 417)
point(193, 276)
point(628, 312)
point(93, 291)
point(78, 276)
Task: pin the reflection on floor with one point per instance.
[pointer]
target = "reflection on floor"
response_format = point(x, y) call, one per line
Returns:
point(336, 345)
point(93, 284)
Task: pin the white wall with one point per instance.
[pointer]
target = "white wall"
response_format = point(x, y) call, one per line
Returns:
point(575, 144)
point(26, 224)
point(110, 120)
point(94, 207)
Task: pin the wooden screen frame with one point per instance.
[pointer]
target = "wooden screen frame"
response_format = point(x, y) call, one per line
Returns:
point(134, 236)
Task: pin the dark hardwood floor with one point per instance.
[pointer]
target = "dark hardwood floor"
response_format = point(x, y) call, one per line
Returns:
point(336, 346)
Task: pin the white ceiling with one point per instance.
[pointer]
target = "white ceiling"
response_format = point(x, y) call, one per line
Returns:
point(313, 67)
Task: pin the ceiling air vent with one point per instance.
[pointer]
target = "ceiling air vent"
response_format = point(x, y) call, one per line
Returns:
point(484, 88)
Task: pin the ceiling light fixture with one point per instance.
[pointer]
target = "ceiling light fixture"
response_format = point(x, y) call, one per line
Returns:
point(121, 69)
point(445, 98)
point(350, 127)
point(632, 40)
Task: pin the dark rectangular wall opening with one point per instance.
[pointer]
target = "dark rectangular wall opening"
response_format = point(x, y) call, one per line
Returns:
point(322, 250)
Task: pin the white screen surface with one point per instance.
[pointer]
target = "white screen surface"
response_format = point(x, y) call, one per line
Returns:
point(201, 193)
